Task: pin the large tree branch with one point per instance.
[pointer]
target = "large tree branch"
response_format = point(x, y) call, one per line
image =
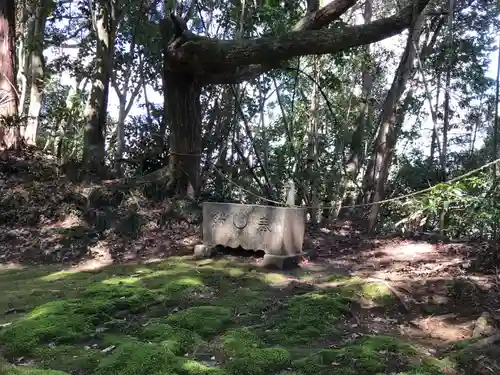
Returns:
point(324, 16)
point(311, 21)
point(211, 57)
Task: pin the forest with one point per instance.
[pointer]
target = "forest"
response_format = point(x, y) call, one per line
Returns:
point(119, 118)
point(353, 102)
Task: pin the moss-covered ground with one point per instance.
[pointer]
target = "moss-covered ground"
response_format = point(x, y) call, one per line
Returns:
point(189, 317)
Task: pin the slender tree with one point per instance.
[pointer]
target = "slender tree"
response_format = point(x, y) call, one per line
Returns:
point(8, 92)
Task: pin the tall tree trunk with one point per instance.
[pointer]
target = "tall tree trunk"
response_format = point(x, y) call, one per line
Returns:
point(447, 88)
point(477, 124)
point(496, 124)
point(356, 149)
point(182, 111)
point(104, 25)
point(312, 146)
point(9, 132)
point(184, 116)
point(25, 26)
point(495, 138)
point(37, 67)
point(434, 140)
point(375, 173)
point(312, 138)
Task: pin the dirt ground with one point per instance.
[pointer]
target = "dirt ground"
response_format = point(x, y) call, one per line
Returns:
point(443, 294)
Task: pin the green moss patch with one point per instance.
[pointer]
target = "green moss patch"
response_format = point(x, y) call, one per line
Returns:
point(240, 341)
point(248, 354)
point(175, 339)
point(378, 293)
point(356, 288)
point(190, 367)
point(309, 316)
point(368, 355)
point(139, 359)
point(104, 300)
point(246, 303)
point(73, 359)
point(259, 361)
point(204, 320)
point(53, 322)
point(23, 370)
point(184, 317)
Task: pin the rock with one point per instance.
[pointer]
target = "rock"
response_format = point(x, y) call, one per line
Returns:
point(108, 349)
point(484, 326)
point(202, 251)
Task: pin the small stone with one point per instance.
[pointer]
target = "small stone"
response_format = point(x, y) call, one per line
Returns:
point(108, 349)
point(202, 251)
point(483, 326)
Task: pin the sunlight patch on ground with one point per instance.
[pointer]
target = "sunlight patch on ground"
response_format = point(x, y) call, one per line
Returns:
point(438, 327)
point(101, 258)
point(408, 252)
point(11, 266)
point(68, 221)
point(57, 275)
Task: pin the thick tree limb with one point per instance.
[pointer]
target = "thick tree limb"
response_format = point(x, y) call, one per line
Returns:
point(311, 21)
point(324, 16)
point(212, 57)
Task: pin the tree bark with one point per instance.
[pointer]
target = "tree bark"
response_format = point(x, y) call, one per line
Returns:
point(221, 61)
point(312, 145)
point(37, 67)
point(184, 116)
point(376, 172)
point(356, 149)
point(25, 26)
point(9, 131)
point(104, 25)
point(447, 88)
point(434, 138)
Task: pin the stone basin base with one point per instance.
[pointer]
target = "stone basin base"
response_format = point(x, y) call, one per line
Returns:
point(278, 231)
point(269, 260)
